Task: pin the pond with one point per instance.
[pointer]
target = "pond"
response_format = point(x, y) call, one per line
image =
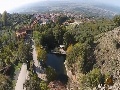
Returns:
point(56, 61)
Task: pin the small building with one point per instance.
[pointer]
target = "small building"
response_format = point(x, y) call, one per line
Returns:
point(62, 49)
point(62, 46)
point(21, 33)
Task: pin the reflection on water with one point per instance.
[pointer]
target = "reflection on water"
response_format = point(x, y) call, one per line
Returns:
point(57, 62)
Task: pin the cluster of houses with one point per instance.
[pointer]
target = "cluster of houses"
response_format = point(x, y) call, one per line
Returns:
point(38, 18)
point(46, 18)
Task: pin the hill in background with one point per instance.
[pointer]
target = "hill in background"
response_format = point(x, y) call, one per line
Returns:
point(85, 7)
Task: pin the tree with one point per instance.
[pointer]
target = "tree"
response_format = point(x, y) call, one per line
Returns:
point(48, 39)
point(51, 74)
point(61, 19)
point(75, 55)
point(37, 37)
point(69, 49)
point(92, 79)
point(58, 33)
point(116, 19)
point(68, 38)
point(4, 18)
point(43, 85)
point(24, 52)
point(5, 83)
point(33, 83)
point(41, 53)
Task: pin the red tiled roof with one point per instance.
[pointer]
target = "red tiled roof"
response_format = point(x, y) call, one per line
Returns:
point(21, 31)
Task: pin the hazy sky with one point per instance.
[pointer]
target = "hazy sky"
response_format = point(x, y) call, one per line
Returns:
point(111, 2)
point(12, 4)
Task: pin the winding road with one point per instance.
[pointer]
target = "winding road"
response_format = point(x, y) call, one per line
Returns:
point(24, 73)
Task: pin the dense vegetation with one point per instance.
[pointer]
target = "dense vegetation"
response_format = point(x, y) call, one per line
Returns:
point(80, 56)
point(79, 41)
point(12, 50)
point(49, 35)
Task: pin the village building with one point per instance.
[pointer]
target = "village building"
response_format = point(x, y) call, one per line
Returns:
point(62, 46)
point(21, 33)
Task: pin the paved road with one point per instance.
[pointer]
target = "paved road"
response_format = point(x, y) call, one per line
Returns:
point(35, 56)
point(21, 77)
point(39, 69)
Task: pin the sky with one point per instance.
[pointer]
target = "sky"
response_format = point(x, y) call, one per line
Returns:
point(111, 2)
point(12, 4)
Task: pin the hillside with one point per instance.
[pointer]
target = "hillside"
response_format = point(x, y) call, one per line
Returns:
point(86, 49)
point(85, 8)
point(91, 65)
point(107, 54)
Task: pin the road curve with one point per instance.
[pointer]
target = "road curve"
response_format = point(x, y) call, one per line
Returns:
point(21, 77)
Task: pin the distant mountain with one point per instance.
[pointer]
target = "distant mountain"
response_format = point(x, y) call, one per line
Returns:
point(79, 6)
point(115, 9)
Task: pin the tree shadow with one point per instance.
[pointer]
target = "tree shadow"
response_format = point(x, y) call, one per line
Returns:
point(31, 42)
point(63, 78)
point(39, 69)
